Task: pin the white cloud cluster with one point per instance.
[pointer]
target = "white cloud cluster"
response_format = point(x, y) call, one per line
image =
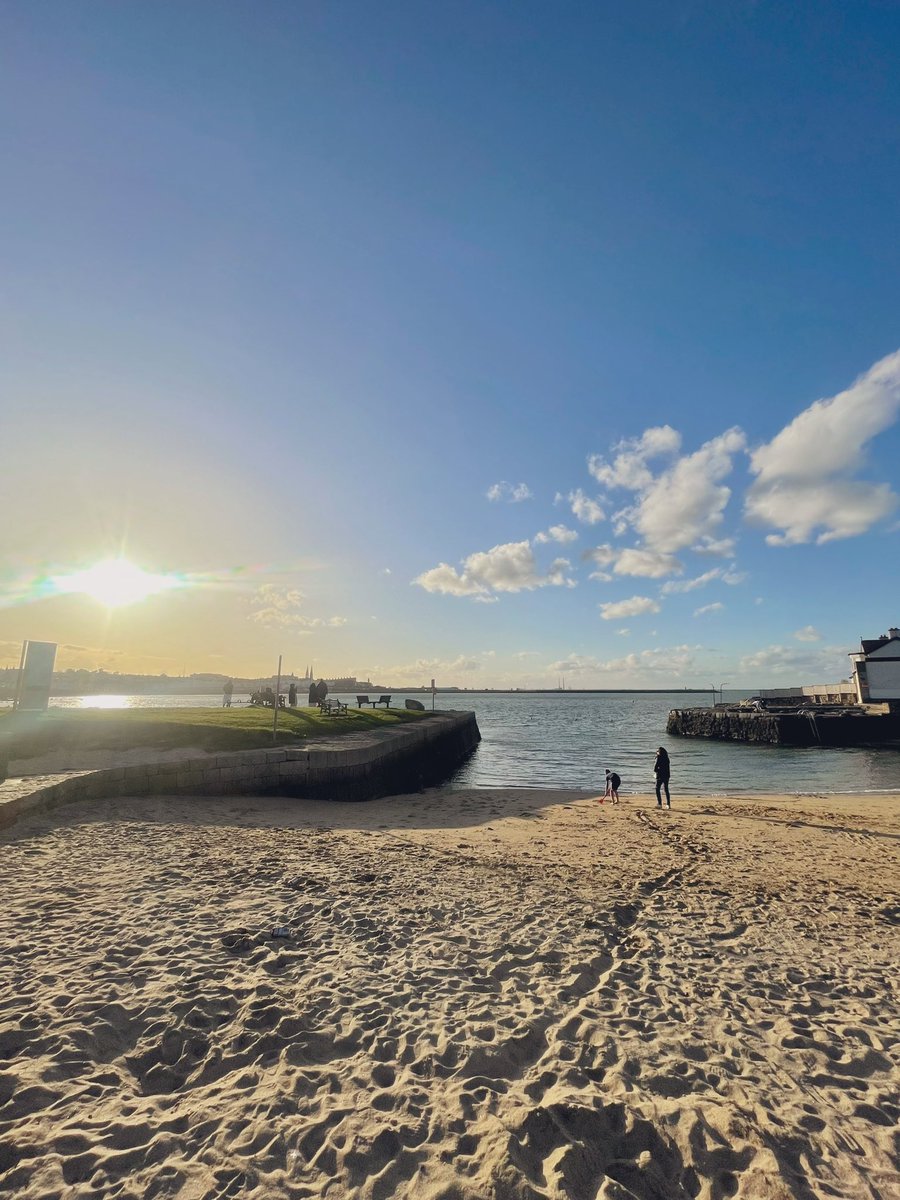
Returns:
point(508, 568)
point(825, 665)
point(719, 547)
point(557, 533)
point(584, 509)
point(808, 633)
point(686, 503)
point(512, 493)
point(683, 505)
point(629, 468)
point(726, 574)
point(803, 486)
point(716, 606)
point(662, 660)
point(278, 607)
point(635, 606)
point(634, 561)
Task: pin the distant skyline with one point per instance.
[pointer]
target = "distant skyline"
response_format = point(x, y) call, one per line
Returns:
point(490, 344)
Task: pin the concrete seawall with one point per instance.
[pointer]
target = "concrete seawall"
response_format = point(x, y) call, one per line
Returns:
point(356, 766)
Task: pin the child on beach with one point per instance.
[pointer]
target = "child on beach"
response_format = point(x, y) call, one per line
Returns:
point(612, 787)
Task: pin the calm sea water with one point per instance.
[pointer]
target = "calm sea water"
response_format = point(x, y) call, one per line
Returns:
point(567, 740)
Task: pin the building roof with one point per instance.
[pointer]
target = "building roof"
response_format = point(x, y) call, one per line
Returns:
point(872, 644)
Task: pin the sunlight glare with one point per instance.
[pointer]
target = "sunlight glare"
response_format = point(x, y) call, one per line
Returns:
point(115, 582)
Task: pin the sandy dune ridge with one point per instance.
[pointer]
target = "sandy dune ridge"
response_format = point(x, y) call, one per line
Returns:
point(496, 995)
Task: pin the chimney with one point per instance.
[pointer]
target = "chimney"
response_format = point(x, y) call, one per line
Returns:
point(893, 633)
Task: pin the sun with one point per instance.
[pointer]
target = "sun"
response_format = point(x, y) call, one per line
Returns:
point(115, 582)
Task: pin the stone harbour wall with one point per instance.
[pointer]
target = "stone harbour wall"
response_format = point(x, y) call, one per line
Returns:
point(807, 727)
point(351, 767)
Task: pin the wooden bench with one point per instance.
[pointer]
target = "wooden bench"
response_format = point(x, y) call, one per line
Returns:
point(361, 700)
point(333, 708)
point(385, 700)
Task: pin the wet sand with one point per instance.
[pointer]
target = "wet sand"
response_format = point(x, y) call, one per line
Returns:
point(494, 995)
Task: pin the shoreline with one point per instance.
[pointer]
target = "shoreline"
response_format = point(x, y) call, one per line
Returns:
point(67, 760)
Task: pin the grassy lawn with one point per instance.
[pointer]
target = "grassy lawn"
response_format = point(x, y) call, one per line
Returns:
point(27, 735)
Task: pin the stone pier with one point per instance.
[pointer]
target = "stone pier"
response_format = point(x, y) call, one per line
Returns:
point(354, 766)
point(809, 726)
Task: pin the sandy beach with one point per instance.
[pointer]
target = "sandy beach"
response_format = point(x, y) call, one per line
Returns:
point(494, 995)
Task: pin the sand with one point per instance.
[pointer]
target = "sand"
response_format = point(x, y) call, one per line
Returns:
point(492, 995)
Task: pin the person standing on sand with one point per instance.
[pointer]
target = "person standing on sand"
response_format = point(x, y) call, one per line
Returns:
point(661, 770)
point(227, 692)
point(612, 787)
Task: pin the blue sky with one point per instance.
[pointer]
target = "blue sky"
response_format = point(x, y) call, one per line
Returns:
point(287, 289)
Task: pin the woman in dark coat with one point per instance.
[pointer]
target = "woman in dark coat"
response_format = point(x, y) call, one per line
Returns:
point(661, 770)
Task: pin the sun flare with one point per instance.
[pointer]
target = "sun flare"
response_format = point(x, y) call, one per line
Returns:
point(115, 582)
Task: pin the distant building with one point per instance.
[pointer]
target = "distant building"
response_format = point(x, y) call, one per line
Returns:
point(875, 680)
point(876, 669)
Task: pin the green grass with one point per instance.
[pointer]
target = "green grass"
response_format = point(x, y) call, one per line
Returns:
point(28, 735)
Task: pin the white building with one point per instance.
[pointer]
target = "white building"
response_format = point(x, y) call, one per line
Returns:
point(876, 669)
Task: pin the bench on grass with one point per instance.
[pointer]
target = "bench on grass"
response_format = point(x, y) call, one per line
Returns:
point(333, 708)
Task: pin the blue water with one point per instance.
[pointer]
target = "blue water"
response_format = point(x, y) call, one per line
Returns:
point(569, 740)
point(566, 740)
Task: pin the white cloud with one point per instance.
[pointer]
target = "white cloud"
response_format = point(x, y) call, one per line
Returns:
point(585, 509)
point(797, 667)
point(839, 508)
point(557, 573)
point(651, 564)
point(557, 533)
point(716, 606)
point(720, 547)
point(603, 556)
point(808, 633)
point(683, 505)
point(278, 607)
point(632, 607)
point(629, 468)
point(686, 503)
point(659, 660)
point(512, 493)
point(690, 585)
point(634, 560)
point(272, 595)
point(803, 486)
point(421, 670)
point(726, 574)
point(444, 578)
point(507, 568)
